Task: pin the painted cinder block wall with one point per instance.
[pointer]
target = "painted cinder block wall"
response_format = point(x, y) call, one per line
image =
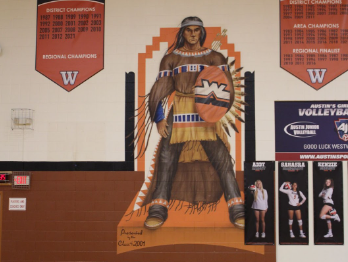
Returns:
point(73, 216)
point(70, 216)
point(87, 124)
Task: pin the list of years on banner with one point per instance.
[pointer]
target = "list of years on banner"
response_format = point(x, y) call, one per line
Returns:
point(314, 38)
point(65, 26)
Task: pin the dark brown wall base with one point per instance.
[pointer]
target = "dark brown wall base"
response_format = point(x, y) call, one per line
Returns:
point(70, 216)
point(73, 216)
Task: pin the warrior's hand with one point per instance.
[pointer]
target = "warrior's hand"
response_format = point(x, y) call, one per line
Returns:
point(162, 128)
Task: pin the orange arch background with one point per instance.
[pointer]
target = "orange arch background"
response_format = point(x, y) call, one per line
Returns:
point(167, 35)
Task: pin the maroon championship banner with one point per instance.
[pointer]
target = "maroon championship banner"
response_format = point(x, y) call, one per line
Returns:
point(313, 39)
point(70, 40)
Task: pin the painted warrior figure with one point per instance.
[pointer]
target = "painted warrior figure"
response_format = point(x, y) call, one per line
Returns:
point(192, 162)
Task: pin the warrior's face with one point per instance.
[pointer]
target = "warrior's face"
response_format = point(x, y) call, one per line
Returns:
point(192, 34)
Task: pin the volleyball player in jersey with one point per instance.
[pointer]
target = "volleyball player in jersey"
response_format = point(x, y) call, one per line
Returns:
point(328, 212)
point(260, 206)
point(296, 200)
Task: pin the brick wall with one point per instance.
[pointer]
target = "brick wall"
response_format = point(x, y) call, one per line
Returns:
point(70, 216)
point(73, 216)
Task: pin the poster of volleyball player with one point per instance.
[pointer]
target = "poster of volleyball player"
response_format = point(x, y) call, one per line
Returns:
point(328, 203)
point(259, 202)
point(293, 203)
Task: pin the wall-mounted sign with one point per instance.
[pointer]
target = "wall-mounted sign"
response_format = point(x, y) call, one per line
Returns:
point(21, 180)
point(17, 204)
point(311, 130)
point(4, 177)
point(313, 39)
point(70, 40)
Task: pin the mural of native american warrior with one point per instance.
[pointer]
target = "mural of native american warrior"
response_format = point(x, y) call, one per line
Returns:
point(192, 162)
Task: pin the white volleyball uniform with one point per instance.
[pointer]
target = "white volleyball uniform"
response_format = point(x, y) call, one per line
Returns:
point(294, 199)
point(261, 202)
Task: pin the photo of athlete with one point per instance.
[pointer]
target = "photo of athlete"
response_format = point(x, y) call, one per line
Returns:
point(328, 212)
point(260, 206)
point(259, 203)
point(296, 200)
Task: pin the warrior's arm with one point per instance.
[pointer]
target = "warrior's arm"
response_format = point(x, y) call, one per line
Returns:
point(159, 115)
point(163, 87)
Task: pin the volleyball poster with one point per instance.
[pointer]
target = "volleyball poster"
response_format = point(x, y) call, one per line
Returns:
point(311, 130)
point(293, 203)
point(328, 203)
point(259, 202)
